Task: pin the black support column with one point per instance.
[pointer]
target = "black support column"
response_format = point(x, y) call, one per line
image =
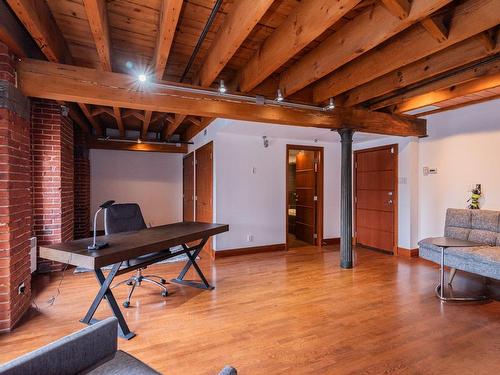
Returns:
point(346, 199)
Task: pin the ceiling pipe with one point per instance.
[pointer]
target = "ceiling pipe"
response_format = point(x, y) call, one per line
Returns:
point(201, 39)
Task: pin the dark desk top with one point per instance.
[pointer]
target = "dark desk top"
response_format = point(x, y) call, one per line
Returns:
point(452, 242)
point(129, 245)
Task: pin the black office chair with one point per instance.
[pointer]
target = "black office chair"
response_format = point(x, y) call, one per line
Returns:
point(125, 218)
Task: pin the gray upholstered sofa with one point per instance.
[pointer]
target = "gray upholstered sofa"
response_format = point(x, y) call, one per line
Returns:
point(474, 225)
point(92, 350)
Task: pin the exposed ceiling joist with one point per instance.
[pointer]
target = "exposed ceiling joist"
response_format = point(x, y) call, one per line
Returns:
point(170, 128)
point(487, 68)
point(97, 16)
point(192, 131)
point(466, 88)
point(306, 22)
point(436, 28)
point(169, 16)
point(119, 121)
point(469, 18)
point(145, 124)
point(453, 57)
point(363, 33)
point(238, 24)
point(91, 119)
point(399, 8)
point(133, 112)
point(64, 82)
point(489, 39)
point(100, 110)
point(38, 20)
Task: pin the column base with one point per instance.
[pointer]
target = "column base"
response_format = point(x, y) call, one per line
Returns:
point(345, 264)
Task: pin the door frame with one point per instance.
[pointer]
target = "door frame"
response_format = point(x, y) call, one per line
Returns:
point(194, 184)
point(395, 196)
point(319, 207)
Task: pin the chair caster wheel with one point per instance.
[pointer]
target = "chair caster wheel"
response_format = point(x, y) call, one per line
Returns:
point(130, 283)
point(126, 304)
point(164, 293)
point(163, 281)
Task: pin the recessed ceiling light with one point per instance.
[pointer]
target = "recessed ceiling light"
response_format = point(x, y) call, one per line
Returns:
point(279, 96)
point(222, 87)
point(142, 77)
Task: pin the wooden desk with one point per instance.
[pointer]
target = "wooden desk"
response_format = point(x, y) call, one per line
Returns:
point(131, 245)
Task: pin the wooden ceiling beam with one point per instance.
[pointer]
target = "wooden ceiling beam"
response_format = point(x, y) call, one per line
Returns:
point(119, 121)
point(436, 28)
point(486, 68)
point(145, 124)
point(91, 119)
point(136, 146)
point(488, 38)
point(76, 114)
point(100, 110)
point(469, 18)
point(238, 24)
point(372, 27)
point(453, 57)
point(399, 8)
point(64, 82)
point(38, 20)
point(306, 22)
point(466, 88)
point(133, 112)
point(169, 16)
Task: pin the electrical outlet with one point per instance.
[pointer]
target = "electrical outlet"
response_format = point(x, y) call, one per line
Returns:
point(21, 288)
point(249, 237)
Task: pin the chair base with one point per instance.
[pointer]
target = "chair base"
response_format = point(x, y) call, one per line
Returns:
point(137, 279)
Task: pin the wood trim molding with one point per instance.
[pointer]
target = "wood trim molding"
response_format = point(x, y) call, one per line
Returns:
point(407, 253)
point(331, 241)
point(249, 250)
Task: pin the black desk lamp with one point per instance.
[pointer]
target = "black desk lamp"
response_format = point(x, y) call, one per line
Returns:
point(95, 245)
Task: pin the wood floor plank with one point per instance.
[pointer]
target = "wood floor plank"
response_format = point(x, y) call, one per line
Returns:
point(286, 313)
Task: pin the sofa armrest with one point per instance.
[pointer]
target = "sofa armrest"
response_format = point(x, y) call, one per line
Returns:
point(70, 354)
point(228, 370)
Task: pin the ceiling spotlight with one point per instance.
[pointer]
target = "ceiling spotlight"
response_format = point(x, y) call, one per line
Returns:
point(142, 77)
point(330, 105)
point(279, 96)
point(222, 87)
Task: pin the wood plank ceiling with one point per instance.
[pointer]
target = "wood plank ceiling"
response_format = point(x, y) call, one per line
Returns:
point(392, 56)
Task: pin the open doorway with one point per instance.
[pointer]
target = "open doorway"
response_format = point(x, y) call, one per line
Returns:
point(304, 196)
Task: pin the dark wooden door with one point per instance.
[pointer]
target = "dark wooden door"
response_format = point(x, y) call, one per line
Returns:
point(204, 186)
point(376, 197)
point(305, 185)
point(188, 188)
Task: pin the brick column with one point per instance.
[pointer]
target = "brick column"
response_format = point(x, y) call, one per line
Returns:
point(52, 150)
point(82, 185)
point(15, 196)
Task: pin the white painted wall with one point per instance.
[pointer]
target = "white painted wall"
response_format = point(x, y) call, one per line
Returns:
point(153, 180)
point(464, 145)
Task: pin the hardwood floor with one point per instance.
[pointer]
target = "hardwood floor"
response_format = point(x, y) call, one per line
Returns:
point(293, 313)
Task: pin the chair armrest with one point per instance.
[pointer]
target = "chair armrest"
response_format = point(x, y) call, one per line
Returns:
point(70, 354)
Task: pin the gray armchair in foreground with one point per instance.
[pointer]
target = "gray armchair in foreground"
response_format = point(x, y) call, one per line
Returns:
point(92, 350)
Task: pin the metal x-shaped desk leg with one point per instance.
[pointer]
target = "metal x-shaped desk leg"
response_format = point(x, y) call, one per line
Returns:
point(105, 292)
point(192, 253)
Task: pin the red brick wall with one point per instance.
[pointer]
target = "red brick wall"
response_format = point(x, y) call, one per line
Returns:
point(52, 151)
point(15, 207)
point(81, 186)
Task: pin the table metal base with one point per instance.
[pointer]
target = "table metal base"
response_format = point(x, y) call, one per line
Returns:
point(441, 286)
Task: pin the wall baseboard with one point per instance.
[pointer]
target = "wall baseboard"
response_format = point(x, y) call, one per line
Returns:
point(408, 253)
point(331, 241)
point(250, 250)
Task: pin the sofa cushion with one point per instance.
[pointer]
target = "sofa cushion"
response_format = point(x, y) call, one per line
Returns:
point(485, 220)
point(121, 363)
point(483, 236)
point(458, 233)
point(460, 218)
